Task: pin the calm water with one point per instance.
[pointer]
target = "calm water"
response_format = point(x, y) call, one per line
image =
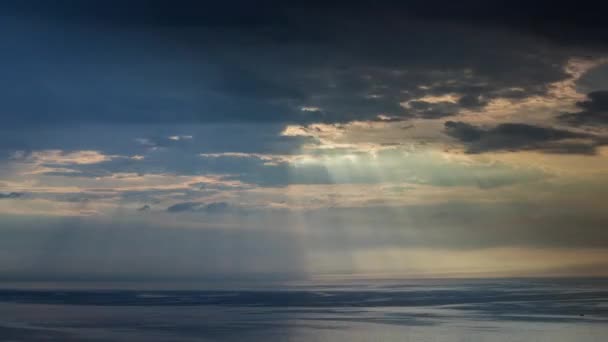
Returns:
point(433, 311)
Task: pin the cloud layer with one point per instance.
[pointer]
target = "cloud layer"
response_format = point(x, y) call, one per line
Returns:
point(185, 139)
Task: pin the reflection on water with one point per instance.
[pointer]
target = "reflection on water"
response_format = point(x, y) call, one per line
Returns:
point(434, 311)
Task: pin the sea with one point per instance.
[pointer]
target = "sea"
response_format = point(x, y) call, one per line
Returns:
point(423, 310)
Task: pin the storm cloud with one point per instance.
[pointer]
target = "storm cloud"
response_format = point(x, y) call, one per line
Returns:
point(594, 110)
point(227, 64)
point(519, 136)
point(186, 139)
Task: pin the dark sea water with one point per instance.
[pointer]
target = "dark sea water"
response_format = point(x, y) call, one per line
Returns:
point(513, 310)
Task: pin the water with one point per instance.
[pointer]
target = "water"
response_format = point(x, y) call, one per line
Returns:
point(415, 311)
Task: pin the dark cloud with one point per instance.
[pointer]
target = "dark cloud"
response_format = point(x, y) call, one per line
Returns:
point(163, 62)
point(214, 207)
point(11, 195)
point(185, 206)
point(519, 136)
point(594, 110)
point(561, 22)
point(144, 208)
point(463, 131)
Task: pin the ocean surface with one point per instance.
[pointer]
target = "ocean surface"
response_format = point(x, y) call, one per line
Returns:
point(514, 310)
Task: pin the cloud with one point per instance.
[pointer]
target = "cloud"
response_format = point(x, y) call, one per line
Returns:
point(145, 208)
point(348, 239)
point(117, 143)
point(333, 132)
point(520, 136)
point(594, 110)
point(564, 24)
point(11, 195)
point(215, 207)
point(59, 157)
point(346, 67)
point(118, 249)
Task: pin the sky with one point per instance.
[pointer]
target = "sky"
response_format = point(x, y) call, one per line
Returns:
point(186, 140)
